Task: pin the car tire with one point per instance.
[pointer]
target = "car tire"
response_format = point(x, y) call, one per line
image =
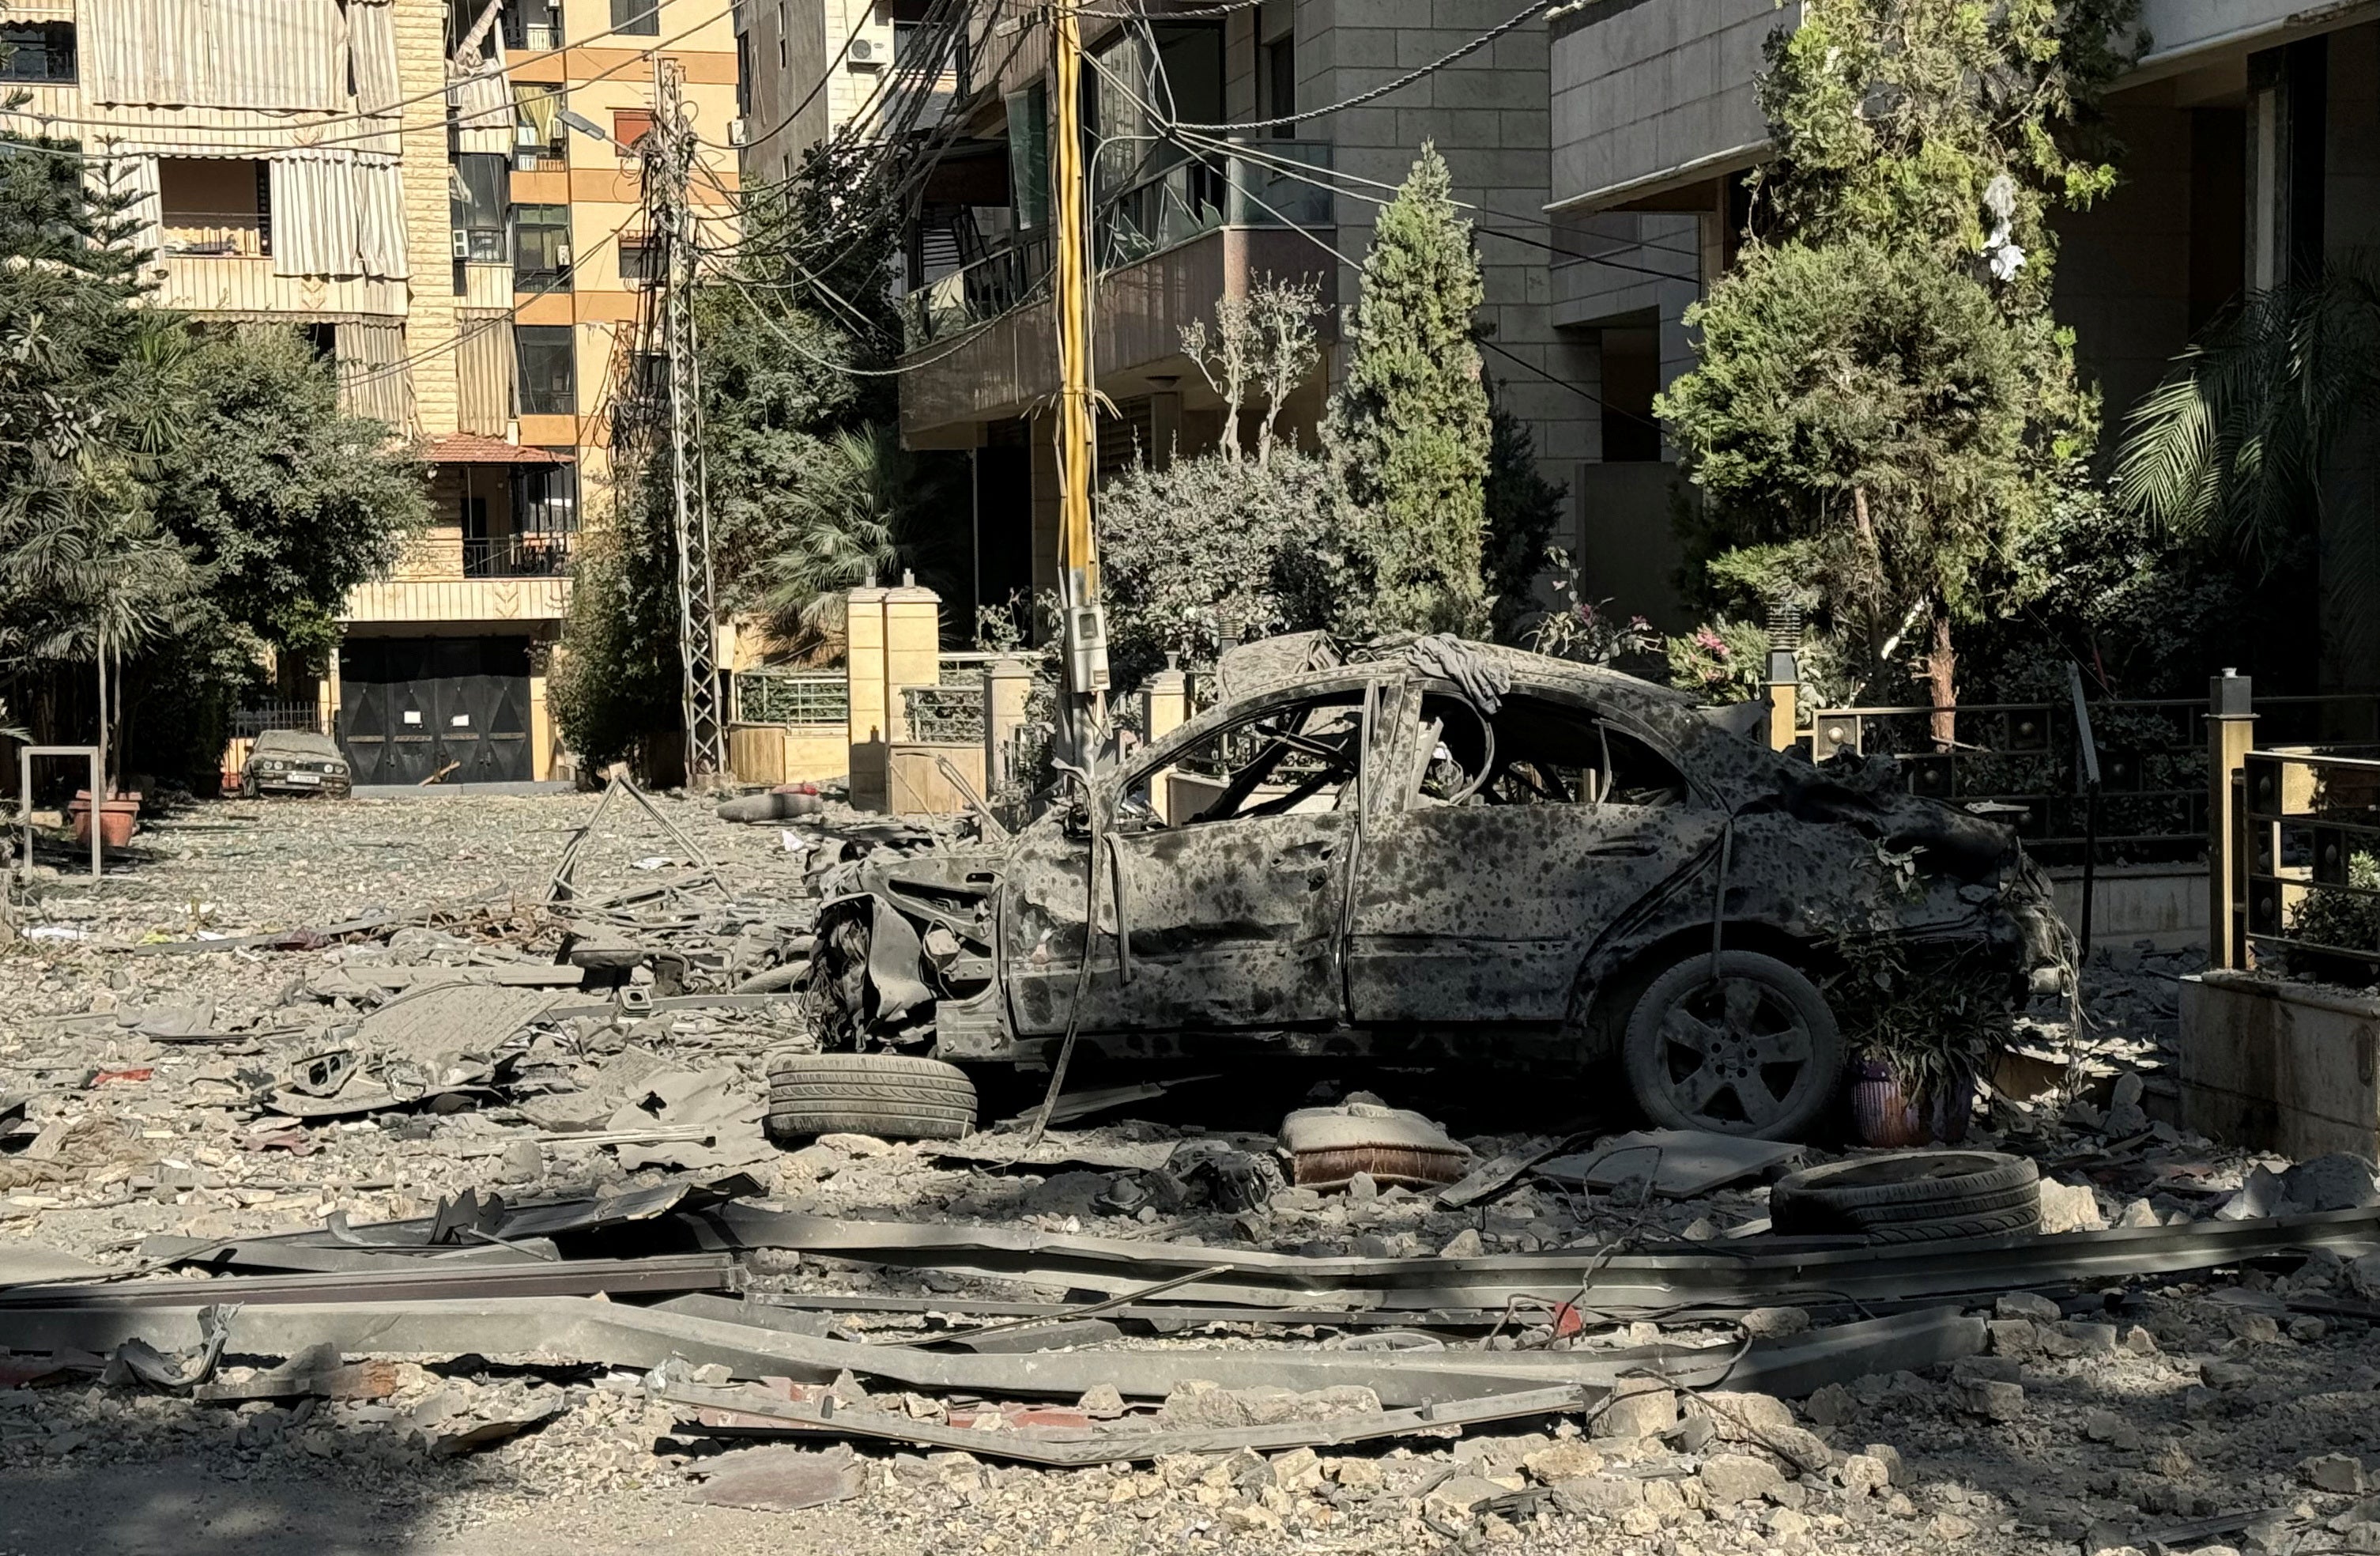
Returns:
point(1712, 1047)
point(890, 1095)
point(1912, 1195)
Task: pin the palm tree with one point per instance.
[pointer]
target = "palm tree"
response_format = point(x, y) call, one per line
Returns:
point(862, 511)
point(2233, 446)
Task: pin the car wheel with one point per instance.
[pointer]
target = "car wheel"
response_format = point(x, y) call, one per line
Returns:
point(892, 1096)
point(1751, 1050)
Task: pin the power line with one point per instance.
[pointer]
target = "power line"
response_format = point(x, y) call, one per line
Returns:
point(1408, 79)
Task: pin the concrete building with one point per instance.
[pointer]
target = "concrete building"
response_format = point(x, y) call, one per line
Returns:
point(1179, 227)
point(396, 176)
point(2252, 137)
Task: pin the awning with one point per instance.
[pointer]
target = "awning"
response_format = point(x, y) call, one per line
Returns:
point(476, 448)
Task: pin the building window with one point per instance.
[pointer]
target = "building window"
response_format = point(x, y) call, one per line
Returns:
point(540, 247)
point(538, 133)
point(533, 24)
point(478, 190)
point(640, 17)
point(631, 125)
point(640, 260)
point(39, 51)
point(1280, 82)
point(549, 382)
point(1631, 376)
point(214, 207)
point(1028, 157)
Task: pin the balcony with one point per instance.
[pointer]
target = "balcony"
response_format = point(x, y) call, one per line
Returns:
point(1651, 98)
point(216, 233)
point(535, 555)
point(1170, 245)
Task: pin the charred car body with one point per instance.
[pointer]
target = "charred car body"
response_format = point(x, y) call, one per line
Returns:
point(1443, 850)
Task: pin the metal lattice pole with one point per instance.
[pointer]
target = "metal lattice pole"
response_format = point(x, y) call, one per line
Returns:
point(705, 731)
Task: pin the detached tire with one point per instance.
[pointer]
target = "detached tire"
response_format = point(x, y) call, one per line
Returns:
point(890, 1095)
point(1912, 1196)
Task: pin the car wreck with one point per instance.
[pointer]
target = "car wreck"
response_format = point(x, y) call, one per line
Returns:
point(1440, 850)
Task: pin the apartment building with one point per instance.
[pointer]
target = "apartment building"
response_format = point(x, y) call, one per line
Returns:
point(402, 179)
point(1178, 226)
point(2253, 150)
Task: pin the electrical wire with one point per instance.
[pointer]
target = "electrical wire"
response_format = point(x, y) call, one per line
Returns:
point(1385, 88)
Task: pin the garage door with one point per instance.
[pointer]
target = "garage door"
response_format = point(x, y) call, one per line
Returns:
point(452, 709)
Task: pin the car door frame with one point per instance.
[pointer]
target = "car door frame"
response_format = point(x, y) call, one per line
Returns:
point(1561, 955)
point(1032, 1009)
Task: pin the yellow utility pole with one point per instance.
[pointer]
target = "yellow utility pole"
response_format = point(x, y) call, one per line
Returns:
point(1078, 553)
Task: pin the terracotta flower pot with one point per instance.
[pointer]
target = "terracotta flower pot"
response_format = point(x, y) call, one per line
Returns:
point(118, 815)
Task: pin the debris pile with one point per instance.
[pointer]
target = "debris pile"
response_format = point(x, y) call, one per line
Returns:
point(475, 1206)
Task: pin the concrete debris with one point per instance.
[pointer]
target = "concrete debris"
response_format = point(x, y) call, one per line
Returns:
point(1673, 1163)
point(780, 1479)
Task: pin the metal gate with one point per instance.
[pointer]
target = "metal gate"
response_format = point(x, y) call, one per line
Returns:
point(451, 709)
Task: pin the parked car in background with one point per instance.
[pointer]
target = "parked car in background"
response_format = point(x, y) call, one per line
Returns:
point(293, 761)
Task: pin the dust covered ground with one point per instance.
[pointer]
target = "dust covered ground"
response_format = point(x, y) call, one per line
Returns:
point(2106, 1419)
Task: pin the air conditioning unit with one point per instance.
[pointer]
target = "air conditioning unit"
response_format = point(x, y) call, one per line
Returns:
point(526, 135)
point(462, 243)
point(864, 51)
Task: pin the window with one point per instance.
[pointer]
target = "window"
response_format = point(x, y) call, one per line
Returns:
point(214, 207)
point(640, 260)
point(1298, 759)
point(1280, 83)
point(538, 132)
point(532, 24)
point(41, 50)
point(1631, 376)
point(640, 17)
point(1544, 753)
point(631, 125)
point(1028, 157)
point(540, 247)
point(478, 188)
point(548, 384)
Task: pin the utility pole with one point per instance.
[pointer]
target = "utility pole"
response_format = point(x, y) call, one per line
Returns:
point(1084, 708)
point(670, 162)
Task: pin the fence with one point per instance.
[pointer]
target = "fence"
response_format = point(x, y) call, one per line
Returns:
point(251, 721)
point(789, 696)
point(2025, 757)
point(2306, 879)
point(539, 554)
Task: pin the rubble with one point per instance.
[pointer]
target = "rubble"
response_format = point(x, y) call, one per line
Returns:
point(941, 1343)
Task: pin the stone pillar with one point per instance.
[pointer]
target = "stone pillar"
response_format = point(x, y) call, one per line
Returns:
point(913, 649)
point(870, 719)
point(1784, 690)
point(1165, 707)
point(1007, 682)
point(2230, 731)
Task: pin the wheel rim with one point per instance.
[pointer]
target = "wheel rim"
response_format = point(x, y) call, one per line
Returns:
point(1736, 1056)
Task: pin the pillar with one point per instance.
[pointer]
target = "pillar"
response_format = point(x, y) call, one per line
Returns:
point(913, 649)
point(1165, 707)
point(2230, 731)
point(870, 718)
point(1007, 683)
point(1784, 690)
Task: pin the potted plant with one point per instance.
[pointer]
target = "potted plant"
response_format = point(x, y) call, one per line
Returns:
point(1924, 1025)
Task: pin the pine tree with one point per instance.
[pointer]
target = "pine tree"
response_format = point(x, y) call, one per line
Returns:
point(1409, 430)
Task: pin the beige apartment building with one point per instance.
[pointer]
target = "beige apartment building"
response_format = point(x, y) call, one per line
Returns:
point(402, 179)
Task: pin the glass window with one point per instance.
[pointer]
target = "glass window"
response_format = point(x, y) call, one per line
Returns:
point(41, 50)
point(549, 382)
point(478, 188)
point(533, 24)
point(540, 247)
point(1028, 157)
point(641, 17)
point(1280, 83)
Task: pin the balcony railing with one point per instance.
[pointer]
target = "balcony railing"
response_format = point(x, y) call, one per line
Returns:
point(1169, 205)
point(518, 556)
point(223, 234)
point(790, 697)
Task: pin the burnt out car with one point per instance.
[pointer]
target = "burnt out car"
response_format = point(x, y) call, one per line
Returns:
point(1445, 851)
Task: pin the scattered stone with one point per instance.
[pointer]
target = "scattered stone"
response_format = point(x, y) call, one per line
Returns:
point(1775, 1323)
point(2106, 1425)
point(1466, 1244)
point(1864, 1474)
point(2027, 1304)
point(1604, 1494)
point(2341, 1181)
point(1992, 1401)
point(1831, 1407)
point(1639, 1407)
point(2342, 1473)
point(1563, 1461)
point(2228, 1375)
point(2070, 1208)
point(1738, 1477)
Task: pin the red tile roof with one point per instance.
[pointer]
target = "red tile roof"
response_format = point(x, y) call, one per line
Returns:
point(477, 449)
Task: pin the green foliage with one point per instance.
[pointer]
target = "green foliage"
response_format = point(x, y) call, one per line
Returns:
point(1409, 431)
point(1881, 383)
point(864, 509)
point(1723, 661)
point(2346, 919)
point(1582, 629)
point(615, 679)
point(1522, 508)
point(1936, 1016)
point(1183, 548)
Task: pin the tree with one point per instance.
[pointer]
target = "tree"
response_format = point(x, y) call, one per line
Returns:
point(869, 509)
point(1881, 379)
point(1408, 432)
point(1522, 509)
point(1262, 347)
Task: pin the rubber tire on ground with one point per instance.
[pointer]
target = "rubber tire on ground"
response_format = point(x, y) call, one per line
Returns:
point(1642, 1045)
point(1907, 1196)
point(890, 1095)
